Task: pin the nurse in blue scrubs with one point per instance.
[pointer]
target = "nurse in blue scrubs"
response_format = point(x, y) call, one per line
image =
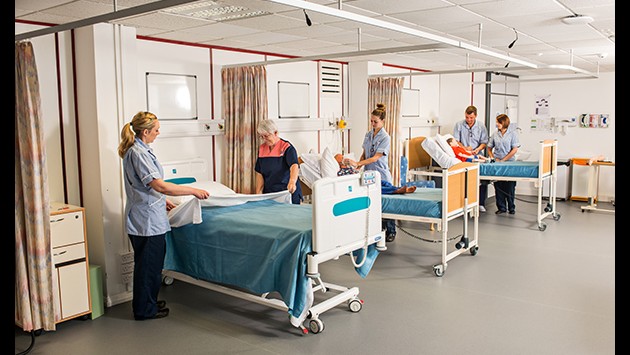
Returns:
point(376, 150)
point(277, 165)
point(502, 146)
point(146, 218)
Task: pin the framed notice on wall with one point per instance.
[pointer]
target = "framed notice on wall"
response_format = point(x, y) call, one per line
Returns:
point(172, 96)
point(293, 100)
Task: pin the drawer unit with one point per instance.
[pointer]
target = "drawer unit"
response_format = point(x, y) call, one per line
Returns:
point(70, 260)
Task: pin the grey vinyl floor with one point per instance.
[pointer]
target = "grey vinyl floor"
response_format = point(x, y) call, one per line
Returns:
point(526, 291)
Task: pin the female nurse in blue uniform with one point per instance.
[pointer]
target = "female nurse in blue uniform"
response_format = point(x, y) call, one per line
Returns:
point(376, 148)
point(146, 217)
point(277, 163)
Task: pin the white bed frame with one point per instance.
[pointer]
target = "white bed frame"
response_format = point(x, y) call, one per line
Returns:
point(460, 198)
point(547, 170)
point(340, 225)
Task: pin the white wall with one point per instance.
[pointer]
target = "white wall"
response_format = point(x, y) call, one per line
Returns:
point(570, 98)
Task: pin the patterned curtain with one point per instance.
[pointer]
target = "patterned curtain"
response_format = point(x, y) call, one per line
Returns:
point(388, 91)
point(34, 306)
point(244, 99)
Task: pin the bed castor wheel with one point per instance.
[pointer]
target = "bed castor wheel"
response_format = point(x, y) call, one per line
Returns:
point(316, 326)
point(438, 270)
point(473, 250)
point(167, 280)
point(548, 208)
point(355, 305)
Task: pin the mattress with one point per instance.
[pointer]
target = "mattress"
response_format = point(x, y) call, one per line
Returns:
point(522, 169)
point(424, 202)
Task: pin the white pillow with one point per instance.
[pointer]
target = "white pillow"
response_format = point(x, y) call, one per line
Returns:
point(441, 141)
point(213, 187)
point(437, 153)
point(328, 164)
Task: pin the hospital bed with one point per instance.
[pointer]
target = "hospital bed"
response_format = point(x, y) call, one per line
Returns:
point(525, 171)
point(458, 198)
point(531, 171)
point(263, 247)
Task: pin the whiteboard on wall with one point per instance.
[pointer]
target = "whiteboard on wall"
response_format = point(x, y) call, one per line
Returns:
point(172, 96)
point(410, 104)
point(293, 100)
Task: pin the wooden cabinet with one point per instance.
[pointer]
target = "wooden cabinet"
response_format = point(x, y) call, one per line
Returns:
point(70, 260)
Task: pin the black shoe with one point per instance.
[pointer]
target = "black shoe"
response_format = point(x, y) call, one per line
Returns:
point(499, 212)
point(390, 237)
point(512, 212)
point(160, 314)
point(161, 304)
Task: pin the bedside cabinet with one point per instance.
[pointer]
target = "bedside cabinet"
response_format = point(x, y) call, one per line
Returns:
point(70, 260)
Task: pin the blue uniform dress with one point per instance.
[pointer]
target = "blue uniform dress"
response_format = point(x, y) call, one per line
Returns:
point(146, 222)
point(380, 143)
point(473, 137)
point(501, 145)
point(275, 167)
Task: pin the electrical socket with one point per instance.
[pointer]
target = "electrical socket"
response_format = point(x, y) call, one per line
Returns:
point(127, 268)
point(126, 257)
point(127, 278)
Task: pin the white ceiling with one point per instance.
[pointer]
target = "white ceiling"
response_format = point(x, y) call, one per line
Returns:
point(543, 39)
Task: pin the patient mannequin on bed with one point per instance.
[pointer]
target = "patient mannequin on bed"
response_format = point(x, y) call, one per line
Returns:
point(386, 187)
point(463, 154)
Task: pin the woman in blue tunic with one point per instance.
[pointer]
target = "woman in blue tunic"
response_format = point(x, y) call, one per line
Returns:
point(376, 147)
point(502, 146)
point(146, 218)
point(277, 165)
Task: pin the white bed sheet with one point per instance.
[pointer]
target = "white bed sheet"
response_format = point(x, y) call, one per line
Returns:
point(188, 209)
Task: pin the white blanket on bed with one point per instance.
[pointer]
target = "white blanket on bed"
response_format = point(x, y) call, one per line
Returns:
point(189, 210)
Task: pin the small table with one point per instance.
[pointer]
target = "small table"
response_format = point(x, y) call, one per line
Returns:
point(593, 186)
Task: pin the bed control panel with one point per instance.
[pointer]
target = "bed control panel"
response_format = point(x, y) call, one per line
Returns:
point(368, 177)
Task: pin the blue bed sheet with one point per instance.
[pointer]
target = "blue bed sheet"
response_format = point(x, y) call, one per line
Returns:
point(424, 202)
point(524, 169)
point(260, 246)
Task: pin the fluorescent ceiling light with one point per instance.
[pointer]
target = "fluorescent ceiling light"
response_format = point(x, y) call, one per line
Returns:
point(577, 20)
point(214, 10)
point(399, 28)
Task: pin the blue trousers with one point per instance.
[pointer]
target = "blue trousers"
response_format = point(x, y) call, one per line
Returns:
point(388, 224)
point(505, 193)
point(148, 257)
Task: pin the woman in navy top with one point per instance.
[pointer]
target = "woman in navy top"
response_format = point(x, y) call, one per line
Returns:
point(277, 163)
point(146, 218)
point(502, 146)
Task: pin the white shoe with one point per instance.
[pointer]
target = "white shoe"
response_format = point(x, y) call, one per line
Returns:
point(482, 209)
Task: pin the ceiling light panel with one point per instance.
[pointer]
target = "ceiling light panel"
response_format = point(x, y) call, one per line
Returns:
point(215, 11)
